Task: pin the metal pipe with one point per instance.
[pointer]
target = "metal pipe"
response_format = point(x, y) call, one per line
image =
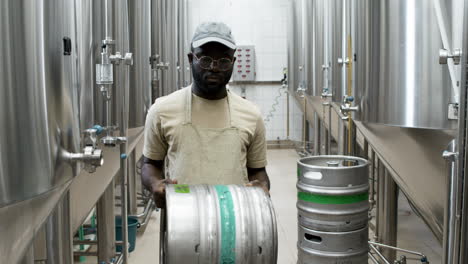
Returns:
point(148, 207)
point(85, 254)
point(452, 225)
point(93, 243)
point(59, 237)
point(108, 14)
point(423, 257)
point(316, 134)
point(382, 257)
point(148, 213)
point(372, 179)
point(132, 184)
point(105, 225)
point(374, 260)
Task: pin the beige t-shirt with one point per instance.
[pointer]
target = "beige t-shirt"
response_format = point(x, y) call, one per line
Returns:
point(168, 112)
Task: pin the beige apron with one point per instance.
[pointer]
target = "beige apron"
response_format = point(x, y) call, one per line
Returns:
point(207, 155)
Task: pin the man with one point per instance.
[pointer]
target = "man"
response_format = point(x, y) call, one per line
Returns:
point(204, 134)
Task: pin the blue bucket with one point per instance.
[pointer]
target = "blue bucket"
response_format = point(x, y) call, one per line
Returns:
point(133, 225)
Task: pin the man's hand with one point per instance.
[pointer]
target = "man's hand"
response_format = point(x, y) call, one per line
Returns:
point(257, 183)
point(159, 191)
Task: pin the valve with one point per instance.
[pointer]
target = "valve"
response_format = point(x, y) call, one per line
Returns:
point(91, 156)
point(445, 54)
point(347, 107)
point(342, 61)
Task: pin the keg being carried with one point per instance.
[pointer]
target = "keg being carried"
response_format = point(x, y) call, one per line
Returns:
point(218, 224)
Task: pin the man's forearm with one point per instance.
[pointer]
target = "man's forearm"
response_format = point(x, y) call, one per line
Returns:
point(151, 172)
point(260, 175)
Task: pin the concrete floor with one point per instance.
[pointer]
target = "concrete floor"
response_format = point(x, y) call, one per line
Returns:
point(413, 234)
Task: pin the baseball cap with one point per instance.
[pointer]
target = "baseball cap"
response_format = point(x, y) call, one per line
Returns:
point(213, 32)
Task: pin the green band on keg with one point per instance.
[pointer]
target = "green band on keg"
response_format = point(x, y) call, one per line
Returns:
point(228, 225)
point(181, 188)
point(328, 199)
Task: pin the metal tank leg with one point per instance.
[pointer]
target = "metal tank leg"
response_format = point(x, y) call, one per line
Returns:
point(316, 134)
point(132, 185)
point(387, 212)
point(106, 225)
point(59, 238)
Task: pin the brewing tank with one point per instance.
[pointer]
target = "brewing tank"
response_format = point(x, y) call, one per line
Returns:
point(338, 38)
point(140, 73)
point(407, 86)
point(295, 54)
point(39, 115)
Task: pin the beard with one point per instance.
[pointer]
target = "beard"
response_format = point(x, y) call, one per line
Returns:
point(211, 82)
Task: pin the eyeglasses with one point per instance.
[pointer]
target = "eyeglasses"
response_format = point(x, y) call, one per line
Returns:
point(207, 63)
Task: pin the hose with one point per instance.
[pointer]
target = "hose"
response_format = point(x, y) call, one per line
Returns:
point(276, 102)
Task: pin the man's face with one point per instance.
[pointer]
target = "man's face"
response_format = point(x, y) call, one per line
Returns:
point(213, 79)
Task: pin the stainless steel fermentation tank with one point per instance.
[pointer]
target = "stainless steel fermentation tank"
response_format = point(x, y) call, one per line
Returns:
point(169, 47)
point(406, 85)
point(39, 116)
point(295, 56)
point(225, 224)
point(140, 73)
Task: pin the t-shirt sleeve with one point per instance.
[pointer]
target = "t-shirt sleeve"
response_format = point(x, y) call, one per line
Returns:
point(256, 154)
point(155, 146)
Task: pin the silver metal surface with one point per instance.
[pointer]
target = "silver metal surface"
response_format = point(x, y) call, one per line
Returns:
point(132, 184)
point(106, 225)
point(453, 206)
point(407, 86)
point(255, 225)
point(332, 247)
point(59, 236)
point(388, 212)
point(140, 73)
point(295, 76)
point(39, 115)
point(338, 34)
point(330, 176)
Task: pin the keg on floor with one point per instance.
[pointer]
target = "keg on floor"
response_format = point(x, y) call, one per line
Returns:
point(333, 209)
point(219, 224)
point(333, 193)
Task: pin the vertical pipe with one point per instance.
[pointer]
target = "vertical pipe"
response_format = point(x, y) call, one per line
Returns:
point(372, 179)
point(304, 125)
point(106, 225)
point(316, 134)
point(341, 136)
point(132, 184)
point(108, 14)
point(388, 212)
point(452, 227)
point(59, 238)
point(28, 258)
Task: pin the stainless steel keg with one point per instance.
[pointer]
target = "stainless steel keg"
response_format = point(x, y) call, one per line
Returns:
point(333, 247)
point(333, 193)
point(219, 224)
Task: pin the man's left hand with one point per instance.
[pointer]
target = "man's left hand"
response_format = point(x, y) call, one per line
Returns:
point(257, 183)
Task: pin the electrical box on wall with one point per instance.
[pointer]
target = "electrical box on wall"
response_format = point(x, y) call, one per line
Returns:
point(244, 67)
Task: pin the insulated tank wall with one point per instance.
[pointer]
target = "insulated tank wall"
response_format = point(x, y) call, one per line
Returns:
point(140, 72)
point(412, 89)
point(39, 114)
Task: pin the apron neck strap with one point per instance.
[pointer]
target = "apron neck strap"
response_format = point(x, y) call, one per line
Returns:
point(188, 107)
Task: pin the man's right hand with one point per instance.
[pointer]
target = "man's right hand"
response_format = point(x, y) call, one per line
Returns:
point(159, 191)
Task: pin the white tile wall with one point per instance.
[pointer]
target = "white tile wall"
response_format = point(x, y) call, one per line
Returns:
point(261, 23)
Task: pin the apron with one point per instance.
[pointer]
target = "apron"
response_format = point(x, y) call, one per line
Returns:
point(207, 155)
